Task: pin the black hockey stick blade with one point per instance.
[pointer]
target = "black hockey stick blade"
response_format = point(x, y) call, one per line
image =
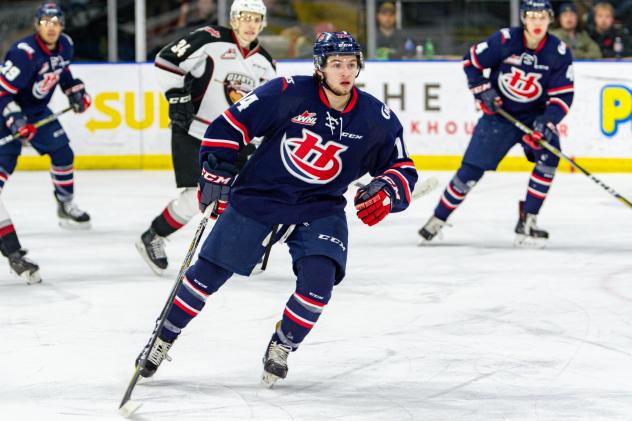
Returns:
point(127, 406)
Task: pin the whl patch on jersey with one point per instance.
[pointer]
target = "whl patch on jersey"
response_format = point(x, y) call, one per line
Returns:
point(310, 159)
point(237, 86)
point(306, 118)
point(520, 86)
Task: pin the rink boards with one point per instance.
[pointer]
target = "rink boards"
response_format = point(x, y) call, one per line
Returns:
point(127, 126)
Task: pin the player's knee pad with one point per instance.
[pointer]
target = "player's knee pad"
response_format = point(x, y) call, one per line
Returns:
point(62, 157)
point(207, 276)
point(466, 178)
point(185, 205)
point(315, 278)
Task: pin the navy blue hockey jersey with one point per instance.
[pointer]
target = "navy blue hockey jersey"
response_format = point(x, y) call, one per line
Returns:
point(531, 82)
point(31, 72)
point(310, 153)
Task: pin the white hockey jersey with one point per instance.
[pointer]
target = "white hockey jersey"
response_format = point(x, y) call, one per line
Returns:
point(218, 72)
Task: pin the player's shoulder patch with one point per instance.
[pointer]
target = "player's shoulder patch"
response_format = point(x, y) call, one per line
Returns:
point(562, 48)
point(505, 34)
point(28, 50)
point(212, 33)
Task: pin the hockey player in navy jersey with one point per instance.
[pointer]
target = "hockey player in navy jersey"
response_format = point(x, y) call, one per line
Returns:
point(33, 67)
point(202, 74)
point(320, 134)
point(531, 77)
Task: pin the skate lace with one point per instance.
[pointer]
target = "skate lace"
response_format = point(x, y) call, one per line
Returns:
point(159, 352)
point(72, 210)
point(157, 246)
point(278, 353)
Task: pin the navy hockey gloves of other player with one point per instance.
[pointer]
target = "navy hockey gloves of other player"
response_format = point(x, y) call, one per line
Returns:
point(373, 202)
point(180, 107)
point(78, 98)
point(487, 98)
point(542, 129)
point(214, 185)
point(17, 122)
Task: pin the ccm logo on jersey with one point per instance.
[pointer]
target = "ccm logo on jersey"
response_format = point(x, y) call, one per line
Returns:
point(520, 86)
point(214, 178)
point(307, 118)
point(310, 159)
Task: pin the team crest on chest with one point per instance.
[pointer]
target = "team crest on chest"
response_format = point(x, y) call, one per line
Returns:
point(306, 118)
point(310, 159)
point(237, 86)
point(520, 86)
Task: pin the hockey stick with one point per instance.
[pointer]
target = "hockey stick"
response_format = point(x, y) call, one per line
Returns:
point(127, 406)
point(421, 189)
point(560, 155)
point(37, 124)
point(266, 256)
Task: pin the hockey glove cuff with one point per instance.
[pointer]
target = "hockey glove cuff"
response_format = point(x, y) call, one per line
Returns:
point(487, 98)
point(78, 98)
point(214, 184)
point(373, 202)
point(180, 107)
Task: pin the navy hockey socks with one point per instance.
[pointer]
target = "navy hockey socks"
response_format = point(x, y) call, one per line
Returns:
point(460, 185)
point(200, 280)
point(314, 284)
point(538, 187)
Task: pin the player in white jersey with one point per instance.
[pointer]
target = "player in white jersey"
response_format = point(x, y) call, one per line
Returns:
point(202, 75)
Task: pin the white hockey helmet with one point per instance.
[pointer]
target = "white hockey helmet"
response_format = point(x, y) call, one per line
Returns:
point(252, 6)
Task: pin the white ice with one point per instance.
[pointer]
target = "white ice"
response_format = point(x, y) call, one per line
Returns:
point(468, 328)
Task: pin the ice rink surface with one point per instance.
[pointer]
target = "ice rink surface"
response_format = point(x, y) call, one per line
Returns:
point(468, 328)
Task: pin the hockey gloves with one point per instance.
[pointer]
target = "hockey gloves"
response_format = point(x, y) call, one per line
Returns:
point(487, 98)
point(180, 107)
point(17, 122)
point(214, 185)
point(373, 202)
point(542, 129)
point(78, 98)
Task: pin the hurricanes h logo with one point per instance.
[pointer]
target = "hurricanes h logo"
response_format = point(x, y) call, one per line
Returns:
point(520, 86)
point(310, 159)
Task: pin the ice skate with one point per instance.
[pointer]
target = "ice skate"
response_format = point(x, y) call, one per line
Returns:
point(153, 357)
point(71, 217)
point(527, 232)
point(24, 268)
point(430, 230)
point(275, 363)
point(151, 247)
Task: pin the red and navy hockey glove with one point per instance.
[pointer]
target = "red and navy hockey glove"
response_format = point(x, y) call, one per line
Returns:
point(542, 129)
point(487, 98)
point(18, 123)
point(214, 185)
point(373, 202)
point(78, 98)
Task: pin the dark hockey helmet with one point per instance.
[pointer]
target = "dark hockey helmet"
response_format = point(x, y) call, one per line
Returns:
point(336, 44)
point(49, 10)
point(536, 6)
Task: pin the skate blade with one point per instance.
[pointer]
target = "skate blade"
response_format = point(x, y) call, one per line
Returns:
point(74, 225)
point(129, 408)
point(143, 253)
point(524, 241)
point(29, 278)
point(268, 379)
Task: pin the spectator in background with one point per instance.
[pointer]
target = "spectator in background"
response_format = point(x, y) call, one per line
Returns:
point(570, 31)
point(612, 40)
point(391, 42)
